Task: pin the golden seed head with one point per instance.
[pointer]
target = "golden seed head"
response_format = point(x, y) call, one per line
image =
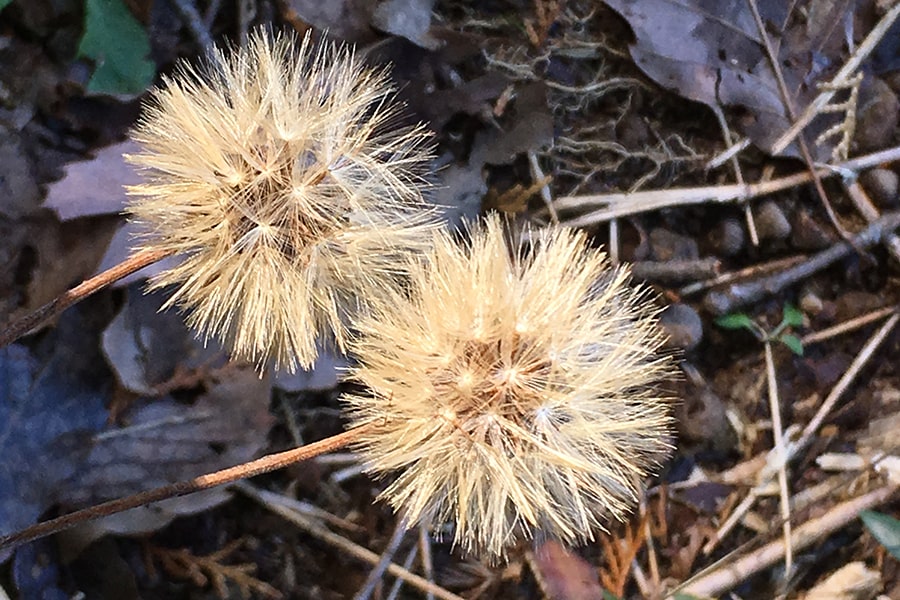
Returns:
point(512, 390)
point(280, 175)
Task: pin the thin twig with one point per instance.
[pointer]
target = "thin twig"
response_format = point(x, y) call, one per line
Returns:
point(815, 107)
point(738, 174)
point(425, 552)
point(847, 326)
point(847, 379)
point(745, 273)
point(343, 544)
point(804, 438)
point(730, 574)
point(407, 564)
point(866, 208)
point(781, 450)
point(775, 64)
point(675, 271)
point(387, 556)
point(740, 294)
point(259, 466)
point(604, 207)
point(135, 262)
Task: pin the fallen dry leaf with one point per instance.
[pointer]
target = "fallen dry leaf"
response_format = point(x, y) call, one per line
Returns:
point(146, 345)
point(563, 575)
point(94, 187)
point(50, 405)
point(410, 19)
point(346, 20)
point(690, 48)
point(165, 440)
point(58, 447)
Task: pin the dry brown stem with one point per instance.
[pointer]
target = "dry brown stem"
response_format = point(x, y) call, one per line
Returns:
point(259, 466)
point(135, 262)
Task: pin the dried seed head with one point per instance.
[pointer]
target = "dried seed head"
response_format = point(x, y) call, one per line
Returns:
point(512, 391)
point(276, 173)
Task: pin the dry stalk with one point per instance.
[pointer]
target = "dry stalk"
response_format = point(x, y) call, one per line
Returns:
point(133, 263)
point(805, 437)
point(775, 64)
point(840, 80)
point(847, 326)
point(722, 302)
point(259, 466)
point(387, 556)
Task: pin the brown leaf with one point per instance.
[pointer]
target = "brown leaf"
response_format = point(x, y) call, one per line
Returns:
point(563, 575)
point(145, 345)
point(712, 52)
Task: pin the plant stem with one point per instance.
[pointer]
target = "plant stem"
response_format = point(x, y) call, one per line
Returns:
point(135, 262)
point(259, 466)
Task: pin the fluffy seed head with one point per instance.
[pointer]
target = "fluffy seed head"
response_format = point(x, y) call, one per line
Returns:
point(279, 174)
point(511, 390)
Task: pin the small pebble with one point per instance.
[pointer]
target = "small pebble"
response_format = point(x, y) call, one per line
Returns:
point(728, 237)
point(771, 222)
point(667, 245)
point(683, 326)
point(810, 302)
point(809, 234)
point(882, 186)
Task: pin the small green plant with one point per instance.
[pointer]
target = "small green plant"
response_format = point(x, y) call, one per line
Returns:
point(791, 317)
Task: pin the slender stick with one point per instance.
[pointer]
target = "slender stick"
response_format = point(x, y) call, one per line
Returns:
point(135, 262)
point(732, 572)
point(259, 466)
point(781, 453)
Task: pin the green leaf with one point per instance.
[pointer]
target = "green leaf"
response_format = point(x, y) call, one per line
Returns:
point(119, 46)
point(793, 343)
point(4, 3)
point(885, 529)
point(736, 321)
point(607, 595)
point(792, 316)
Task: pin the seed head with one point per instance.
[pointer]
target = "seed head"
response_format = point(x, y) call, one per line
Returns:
point(280, 175)
point(511, 390)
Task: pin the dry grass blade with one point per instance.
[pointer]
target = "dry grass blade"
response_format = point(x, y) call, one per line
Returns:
point(840, 79)
point(304, 522)
point(847, 378)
